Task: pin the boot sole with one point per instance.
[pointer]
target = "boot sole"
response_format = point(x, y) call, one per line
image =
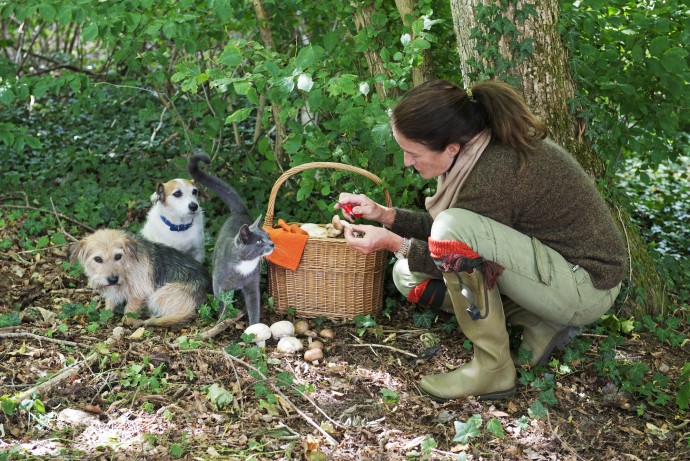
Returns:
point(559, 341)
point(484, 397)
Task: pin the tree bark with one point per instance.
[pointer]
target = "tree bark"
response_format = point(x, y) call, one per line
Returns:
point(267, 38)
point(548, 87)
point(425, 71)
point(362, 19)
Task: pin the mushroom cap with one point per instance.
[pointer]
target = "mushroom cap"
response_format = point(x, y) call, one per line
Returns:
point(335, 221)
point(315, 345)
point(313, 354)
point(282, 328)
point(260, 331)
point(289, 345)
point(327, 333)
point(301, 327)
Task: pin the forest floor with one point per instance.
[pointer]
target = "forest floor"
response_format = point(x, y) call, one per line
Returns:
point(166, 394)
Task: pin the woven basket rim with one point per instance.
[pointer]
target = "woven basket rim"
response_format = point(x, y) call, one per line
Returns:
point(270, 209)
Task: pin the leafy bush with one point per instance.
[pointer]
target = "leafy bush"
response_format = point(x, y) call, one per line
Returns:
point(660, 200)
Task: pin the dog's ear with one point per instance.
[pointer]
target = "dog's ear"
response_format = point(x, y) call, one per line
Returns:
point(131, 247)
point(77, 250)
point(159, 194)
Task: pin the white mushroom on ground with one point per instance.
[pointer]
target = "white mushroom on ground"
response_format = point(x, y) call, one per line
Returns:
point(261, 333)
point(313, 355)
point(301, 327)
point(289, 345)
point(282, 329)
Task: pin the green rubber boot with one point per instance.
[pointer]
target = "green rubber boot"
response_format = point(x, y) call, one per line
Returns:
point(491, 373)
point(539, 336)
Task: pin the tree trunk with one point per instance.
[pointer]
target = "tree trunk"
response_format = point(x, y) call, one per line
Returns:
point(362, 19)
point(267, 38)
point(425, 71)
point(545, 78)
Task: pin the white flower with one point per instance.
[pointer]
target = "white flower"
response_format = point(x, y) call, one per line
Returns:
point(364, 88)
point(405, 39)
point(304, 83)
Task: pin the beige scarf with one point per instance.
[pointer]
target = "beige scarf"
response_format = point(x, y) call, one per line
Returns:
point(450, 182)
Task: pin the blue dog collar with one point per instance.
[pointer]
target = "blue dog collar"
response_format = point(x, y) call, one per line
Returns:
point(176, 227)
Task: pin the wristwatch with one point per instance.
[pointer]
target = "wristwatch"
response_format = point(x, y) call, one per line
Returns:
point(404, 249)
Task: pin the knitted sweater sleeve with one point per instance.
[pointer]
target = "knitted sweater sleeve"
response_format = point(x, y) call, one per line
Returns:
point(417, 226)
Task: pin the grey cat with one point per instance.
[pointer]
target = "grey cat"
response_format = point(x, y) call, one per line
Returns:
point(240, 245)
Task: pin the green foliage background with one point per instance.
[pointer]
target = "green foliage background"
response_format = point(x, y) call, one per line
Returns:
point(100, 100)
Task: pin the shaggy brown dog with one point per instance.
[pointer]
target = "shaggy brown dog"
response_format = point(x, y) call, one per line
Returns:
point(126, 268)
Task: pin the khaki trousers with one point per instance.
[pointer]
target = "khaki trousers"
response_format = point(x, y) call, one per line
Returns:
point(536, 277)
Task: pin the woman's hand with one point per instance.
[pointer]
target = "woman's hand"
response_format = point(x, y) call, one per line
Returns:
point(372, 238)
point(366, 207)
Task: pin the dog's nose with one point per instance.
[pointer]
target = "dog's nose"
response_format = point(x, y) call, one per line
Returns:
point(112, 279)
point(193, 206)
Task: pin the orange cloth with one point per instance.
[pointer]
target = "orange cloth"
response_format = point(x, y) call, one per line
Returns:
point(289, 241)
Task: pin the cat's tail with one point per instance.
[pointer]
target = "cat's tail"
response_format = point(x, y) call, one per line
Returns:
point(226, 193)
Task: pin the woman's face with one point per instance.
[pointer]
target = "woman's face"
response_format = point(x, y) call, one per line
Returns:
point(428, 163)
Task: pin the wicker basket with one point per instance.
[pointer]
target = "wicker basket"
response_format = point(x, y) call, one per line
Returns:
point(332, 279)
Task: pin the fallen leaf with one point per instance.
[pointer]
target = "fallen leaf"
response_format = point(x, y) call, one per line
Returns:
point(138, 334)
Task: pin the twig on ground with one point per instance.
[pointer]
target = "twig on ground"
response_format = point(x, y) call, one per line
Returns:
point(239, 385)
point(57, 216)
point(564, 444)
point(41, 338)
point(38, 250)
point(219, 327)
point(384, 346)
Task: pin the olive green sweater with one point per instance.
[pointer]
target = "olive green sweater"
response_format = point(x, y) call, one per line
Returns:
point(551, 199)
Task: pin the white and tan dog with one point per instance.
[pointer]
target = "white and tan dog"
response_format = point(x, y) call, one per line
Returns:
point(124, 267)
point(176, 218)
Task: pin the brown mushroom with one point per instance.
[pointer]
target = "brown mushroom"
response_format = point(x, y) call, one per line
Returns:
point(313, 355)
point(301, 327)
point(327, 333)
point(315, 345)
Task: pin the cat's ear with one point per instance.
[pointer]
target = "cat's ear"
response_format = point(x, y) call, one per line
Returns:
point(257, 223)
point(244, 235)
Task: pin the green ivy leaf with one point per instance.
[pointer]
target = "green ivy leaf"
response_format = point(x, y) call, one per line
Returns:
point(494, 426)
point(523, 423)
point(537, 410)
point(424, 319)
point(465, 431)
point(219, 396)
point(548, 397)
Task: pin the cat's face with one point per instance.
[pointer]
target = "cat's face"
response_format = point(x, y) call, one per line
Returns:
point(253, 241)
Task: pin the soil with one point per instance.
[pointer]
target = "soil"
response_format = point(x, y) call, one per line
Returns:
point(152, 397)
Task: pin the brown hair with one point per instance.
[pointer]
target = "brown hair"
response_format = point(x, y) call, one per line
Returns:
point(438, 113)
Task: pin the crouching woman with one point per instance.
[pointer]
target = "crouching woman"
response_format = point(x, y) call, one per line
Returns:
point(516, 232)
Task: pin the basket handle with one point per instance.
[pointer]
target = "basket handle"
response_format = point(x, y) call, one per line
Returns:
point(268, 220)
